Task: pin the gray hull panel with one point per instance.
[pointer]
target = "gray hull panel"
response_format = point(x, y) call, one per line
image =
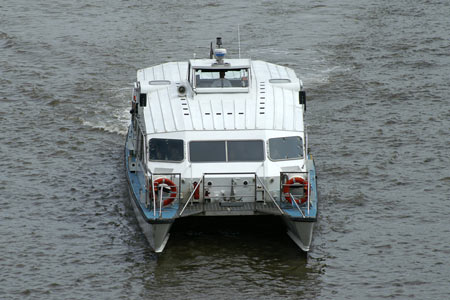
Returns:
point(156, 233)
point(300, 232)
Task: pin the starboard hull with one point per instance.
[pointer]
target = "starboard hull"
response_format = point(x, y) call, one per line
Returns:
point(300, 231)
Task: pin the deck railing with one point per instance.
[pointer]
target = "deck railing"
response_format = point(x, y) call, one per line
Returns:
point(257, 186)
point(295, 198)
point(232, 190)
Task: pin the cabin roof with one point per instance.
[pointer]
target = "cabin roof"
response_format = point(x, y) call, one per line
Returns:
point(267, 104)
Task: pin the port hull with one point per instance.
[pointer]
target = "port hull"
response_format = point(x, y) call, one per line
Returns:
point(156, 231)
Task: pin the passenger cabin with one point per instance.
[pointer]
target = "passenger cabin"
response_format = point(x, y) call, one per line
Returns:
point(245, 110)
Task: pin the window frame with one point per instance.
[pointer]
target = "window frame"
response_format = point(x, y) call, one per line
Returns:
point(226, 151)
point(218, 70)
point(167, 161)
point(255, 140)
point(286, 159)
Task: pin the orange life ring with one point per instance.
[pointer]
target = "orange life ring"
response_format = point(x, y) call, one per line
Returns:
point(173, 189)
point(288, 185)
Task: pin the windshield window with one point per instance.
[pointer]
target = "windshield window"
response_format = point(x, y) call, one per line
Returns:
point(245, 150)
point(207, 151)
point(213, 78)
point(166, 150)
point(223, 151)
point(286, 148)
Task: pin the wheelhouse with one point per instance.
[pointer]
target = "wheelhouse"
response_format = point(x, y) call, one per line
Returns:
point(213, 77)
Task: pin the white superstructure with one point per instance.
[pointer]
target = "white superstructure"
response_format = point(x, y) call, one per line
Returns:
point(271, 102)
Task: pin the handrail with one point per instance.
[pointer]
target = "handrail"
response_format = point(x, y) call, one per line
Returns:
point(153, 197)
point(160, 200)
point(232, 173)
point(270, 196)
point(296, 204)
point(192, 195)
point(308, 193)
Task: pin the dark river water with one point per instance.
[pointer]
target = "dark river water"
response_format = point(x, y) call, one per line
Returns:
point(377, 74)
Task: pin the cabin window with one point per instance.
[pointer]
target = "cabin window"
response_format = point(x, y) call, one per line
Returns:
point(221, 78)
point(166, 150)
point(139, 143)
point(226, 151)
point(245, 150)
point(285, 148)
point(141, 147)
point(207, 151)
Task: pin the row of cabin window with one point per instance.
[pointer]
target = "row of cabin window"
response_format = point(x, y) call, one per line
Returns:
point(283, 148)
point(139, 141)
point(222, 78)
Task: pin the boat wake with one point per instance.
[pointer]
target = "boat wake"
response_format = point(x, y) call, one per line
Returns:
point(114, 117)
point(111, 126)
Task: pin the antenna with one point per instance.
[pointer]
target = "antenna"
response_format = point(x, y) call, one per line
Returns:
point(211, 52)
point(239, 42)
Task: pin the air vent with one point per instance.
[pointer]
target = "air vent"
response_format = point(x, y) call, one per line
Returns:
point(280, 80)
point(159, 82)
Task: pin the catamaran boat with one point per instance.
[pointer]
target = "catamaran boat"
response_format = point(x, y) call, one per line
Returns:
point(219, 137)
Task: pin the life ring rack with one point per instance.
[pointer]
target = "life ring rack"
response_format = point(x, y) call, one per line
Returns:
point(287, 187)
point(170, 184)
